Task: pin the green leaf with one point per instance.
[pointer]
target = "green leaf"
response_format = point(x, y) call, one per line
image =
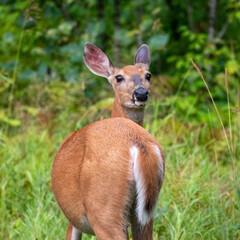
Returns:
point(236, 227)
point(232, 66)
point(5, 78)
point(9, 121)
point(31, 110)
point(158, 41)
point(238, 192)
point(66, 27)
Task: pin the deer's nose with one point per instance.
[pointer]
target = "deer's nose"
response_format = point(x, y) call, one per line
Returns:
point(141, 94)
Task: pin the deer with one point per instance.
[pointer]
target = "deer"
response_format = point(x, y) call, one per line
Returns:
point(107, 176)
point(131, 83)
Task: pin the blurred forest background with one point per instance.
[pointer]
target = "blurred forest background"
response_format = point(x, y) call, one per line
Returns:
point(46, 92)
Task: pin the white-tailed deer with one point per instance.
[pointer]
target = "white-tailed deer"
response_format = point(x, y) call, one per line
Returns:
point(108, 175)
point(131, 83)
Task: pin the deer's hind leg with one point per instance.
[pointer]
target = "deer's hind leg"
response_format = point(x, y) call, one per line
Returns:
point(73, 233)
point(105, 230)
point(140, 232)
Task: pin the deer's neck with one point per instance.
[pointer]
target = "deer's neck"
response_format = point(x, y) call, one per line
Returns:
point(135, 114)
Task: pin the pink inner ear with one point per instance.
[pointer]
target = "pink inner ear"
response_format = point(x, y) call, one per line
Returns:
point(95, 56)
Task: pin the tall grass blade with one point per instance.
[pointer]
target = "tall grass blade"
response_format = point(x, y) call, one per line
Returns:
point(216, 109)
point(218, 114)
point(15, 74)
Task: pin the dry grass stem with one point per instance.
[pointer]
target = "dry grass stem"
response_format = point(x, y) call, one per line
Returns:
point(235, 109)
point(229, 113)
point(210, 94)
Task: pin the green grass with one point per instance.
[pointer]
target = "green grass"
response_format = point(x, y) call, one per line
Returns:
point(200, 198)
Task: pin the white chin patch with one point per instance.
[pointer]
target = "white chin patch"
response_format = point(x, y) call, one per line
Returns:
point(135, 104)
point(139, 104)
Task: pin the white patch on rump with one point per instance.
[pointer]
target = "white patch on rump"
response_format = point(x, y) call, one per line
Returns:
point(160, 162)
point(142, 215)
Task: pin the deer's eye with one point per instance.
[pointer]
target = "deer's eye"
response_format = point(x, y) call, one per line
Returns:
point(119, 78)
point(148, 76)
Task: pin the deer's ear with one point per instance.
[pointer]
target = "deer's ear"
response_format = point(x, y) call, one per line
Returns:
point(142, 56)
point(97, 61)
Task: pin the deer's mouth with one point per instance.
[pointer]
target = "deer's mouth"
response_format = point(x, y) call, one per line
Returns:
point(137, 104)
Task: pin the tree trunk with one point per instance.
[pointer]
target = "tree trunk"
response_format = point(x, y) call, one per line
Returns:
point(173, 18)
point(190, 15)
point(212, 19)
point(102, 36)
point(139, 37)
point(211, 31)
point(116, 29)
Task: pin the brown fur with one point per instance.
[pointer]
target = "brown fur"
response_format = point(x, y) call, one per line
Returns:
point(92, 175)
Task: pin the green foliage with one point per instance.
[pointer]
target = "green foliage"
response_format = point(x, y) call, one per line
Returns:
point(54, 32)
point(46, 92)
point(7, 120)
